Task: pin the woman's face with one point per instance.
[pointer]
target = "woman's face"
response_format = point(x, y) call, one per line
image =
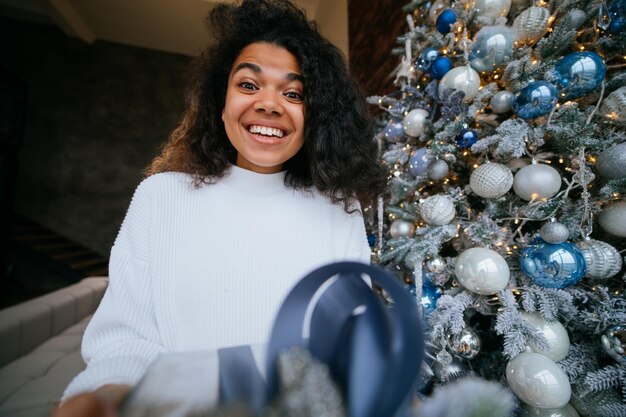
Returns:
point(264, 110)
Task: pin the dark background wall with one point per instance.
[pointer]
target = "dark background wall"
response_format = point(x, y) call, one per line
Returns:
point(95, 117)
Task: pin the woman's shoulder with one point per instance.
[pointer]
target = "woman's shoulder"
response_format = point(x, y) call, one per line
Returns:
point(166, 180)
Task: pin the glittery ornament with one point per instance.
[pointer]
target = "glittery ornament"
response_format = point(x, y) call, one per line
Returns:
point(614, 106)
point(466, 344)
point(492, 8)
point(394, 131)
point(578, 17)
point(612, 218)
point(554, 333)
point(436, 265)
point(418, 162)
point(530, 411)
point(532, 24)
point(611, 163)
point(466, 138)
point(464, 78)
point(492, 47)
point(554, 232)
point(579, 73)
point(445, 19)
point(502, 102)
point(491, 180)
point(482, 270)
point(415, 122)
point(401, 228)
point(538, 381)
point(538, 98)
point(440, 67)
point(614, 342)
point(553, 265)
point(603, 260)
point(437, 169)
point(536, 181)
point(437, 210)
point(426, 58)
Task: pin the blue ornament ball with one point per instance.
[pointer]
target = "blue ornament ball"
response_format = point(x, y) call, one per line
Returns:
point(466, 139)
point(551, 265)
point(538, 98)
point(579, 73)
point(440, 67)
point(430, 295)
point(394, 131)
point(426, 58)
point(418, 162)
point(444, 20)
point(617, 13)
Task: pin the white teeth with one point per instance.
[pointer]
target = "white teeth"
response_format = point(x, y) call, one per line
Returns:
point(266, 131)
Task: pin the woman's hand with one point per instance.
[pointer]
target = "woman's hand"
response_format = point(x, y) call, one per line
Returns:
point(102, 402)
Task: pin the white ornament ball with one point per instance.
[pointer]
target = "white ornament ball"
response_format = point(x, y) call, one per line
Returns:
point(555, 334)
point(482, 271)
point(530, 411)
point(611, 162)
point(463, 78)
point(437, 210)
point(414, 122)
point(532, 24)
point(400, 228)
point(502, 102)
point(538, 381)
point(602, 260)
point(437, 169)
point(536, 181)
point(491, 180)
point(612, 219)
point(492, 8)
point(614, 106)
point(554, 232)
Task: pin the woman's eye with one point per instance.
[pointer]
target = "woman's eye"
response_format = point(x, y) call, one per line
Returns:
point(294, 96)
point(247, 86)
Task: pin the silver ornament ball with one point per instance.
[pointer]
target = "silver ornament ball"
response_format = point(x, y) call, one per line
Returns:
point(491, 180)
point(532, 24)
point(492, 8)
point(482, 271)
point(466, 344)
point(492, 47)
point(536, 181)
point(437, 169)
point(401, 228)
point(612, 218)
point(437, 210)
point(578, 17)
point(614, 106)
point(464, 78)
point(502, 102)
point(538, 381)
point(554, 333)
point(602, 260)
point(414, 122)
point(436, 265)
point(554, 232)
point(611, 163)
point(614, 342)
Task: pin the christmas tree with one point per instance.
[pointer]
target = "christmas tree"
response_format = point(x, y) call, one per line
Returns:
point(505, 214)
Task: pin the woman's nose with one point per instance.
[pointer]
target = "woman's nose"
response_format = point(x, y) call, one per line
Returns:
point(268, 102)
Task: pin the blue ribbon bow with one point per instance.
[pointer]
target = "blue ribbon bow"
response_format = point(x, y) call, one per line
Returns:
point(374, 352)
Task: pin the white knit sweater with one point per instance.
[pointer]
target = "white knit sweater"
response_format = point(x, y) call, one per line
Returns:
point(204, 268)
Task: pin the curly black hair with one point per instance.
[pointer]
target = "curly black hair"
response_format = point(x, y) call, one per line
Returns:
point(339, 156)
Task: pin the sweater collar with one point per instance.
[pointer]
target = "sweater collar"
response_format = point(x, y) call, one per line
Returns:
point(253, 182)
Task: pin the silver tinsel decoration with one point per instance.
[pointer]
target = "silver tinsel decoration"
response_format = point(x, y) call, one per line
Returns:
point(614, 106)
point(437, 210)
point(612, 162)
point(532, 24)
point(603, 260)
point(554, 232)
point(491, 180)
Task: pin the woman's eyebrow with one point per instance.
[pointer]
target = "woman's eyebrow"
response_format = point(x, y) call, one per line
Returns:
point(255, 68)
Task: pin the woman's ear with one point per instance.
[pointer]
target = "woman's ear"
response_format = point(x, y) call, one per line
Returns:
point(222, 115)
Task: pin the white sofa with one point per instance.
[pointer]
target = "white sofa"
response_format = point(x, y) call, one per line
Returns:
point(40, 347)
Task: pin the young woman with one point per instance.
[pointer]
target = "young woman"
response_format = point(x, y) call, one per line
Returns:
point(257, 186)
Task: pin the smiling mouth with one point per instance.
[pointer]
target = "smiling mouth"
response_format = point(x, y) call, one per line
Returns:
point(269, 132)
